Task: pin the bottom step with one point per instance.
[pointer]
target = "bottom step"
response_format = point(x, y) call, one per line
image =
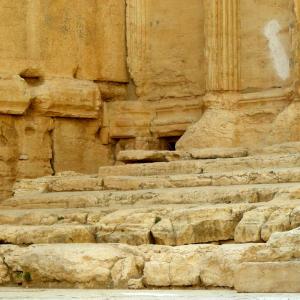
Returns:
point(276, 264)
point(157, 294)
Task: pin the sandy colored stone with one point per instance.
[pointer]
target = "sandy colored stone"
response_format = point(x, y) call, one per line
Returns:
point(170, 225)
point(77, 147)
point(295, 217)
point(249, 229)
point(88, 266)
point(278, 221)
point(125, 227)
point(110, 40)
point(210, 153)
point(50, 216)
point(67, 98)
point(112, 91)
point(286, 128)
point(126, 270)
point(231, 118)
point(289, 238)
point(27, 235)
point(259, 68)
point(65, 181)
point(138, 119)
point(34, 146)
point(100, 83)
point(151, 42)
point(79, 45)
point(220, 91)
point(8, 155)
point(26, 186)
point(75, 183)
point(151, 156)
point(219, 265)
point(176, 267)
point(135, 284)
point(274, 277)
point(112, 265)
point(284, 148)
point(4, 274)
point(195, 195)
point(281, 247)
point(203, 166)
point(260, 176)
point(198, 225)
point(14, 96)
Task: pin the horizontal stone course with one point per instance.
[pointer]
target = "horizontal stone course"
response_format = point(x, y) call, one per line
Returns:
point(124, 266)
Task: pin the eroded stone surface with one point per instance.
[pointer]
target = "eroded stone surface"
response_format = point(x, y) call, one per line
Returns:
point(113, 265)
point(67, 98)
point(27, 235)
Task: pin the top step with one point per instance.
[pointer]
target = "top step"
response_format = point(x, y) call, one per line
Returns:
point(135, 156)
point(148, 156)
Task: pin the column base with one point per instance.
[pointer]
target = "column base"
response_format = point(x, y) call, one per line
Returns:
point(251, 120)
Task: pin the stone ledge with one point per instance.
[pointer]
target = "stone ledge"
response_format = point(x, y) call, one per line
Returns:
point(14, 96)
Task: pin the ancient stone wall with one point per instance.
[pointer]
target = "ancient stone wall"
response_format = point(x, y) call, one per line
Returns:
point(252, 75)
point(80, 80)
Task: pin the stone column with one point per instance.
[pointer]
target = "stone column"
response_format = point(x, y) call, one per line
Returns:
point(137, 15)
point(223, 44)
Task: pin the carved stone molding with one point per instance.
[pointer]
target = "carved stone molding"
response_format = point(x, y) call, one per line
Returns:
point(137, 12)
point(223, 44)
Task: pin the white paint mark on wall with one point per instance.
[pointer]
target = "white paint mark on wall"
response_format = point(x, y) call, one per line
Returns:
point(279, 55)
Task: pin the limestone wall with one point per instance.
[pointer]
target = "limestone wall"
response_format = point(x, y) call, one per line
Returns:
point(82, 79)
point(74, 76)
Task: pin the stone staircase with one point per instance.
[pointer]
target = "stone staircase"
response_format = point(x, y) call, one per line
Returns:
point(210, 218)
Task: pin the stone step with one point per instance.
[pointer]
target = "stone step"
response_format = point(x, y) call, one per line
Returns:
point(92, 183)
point(260, 176)
point(27, 235)
point(251, 193)
point(203, 166)
point(59, 183)
point(130, 156)
point(52, 216)
point(152, 266)
point(163, 225)
point(196, 225)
